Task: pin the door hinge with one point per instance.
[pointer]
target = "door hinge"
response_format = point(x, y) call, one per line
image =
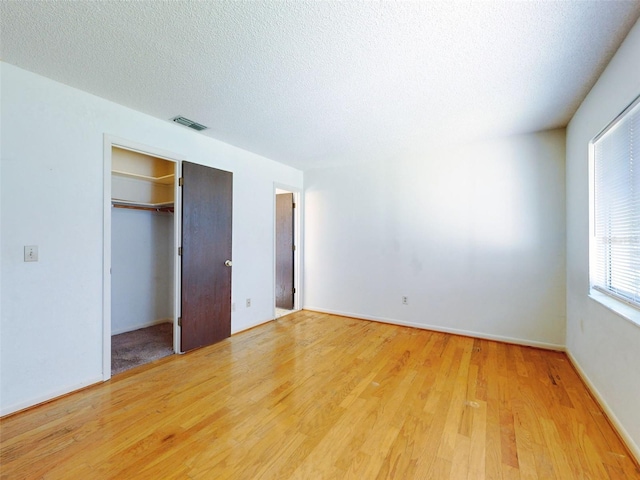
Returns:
point(294, 289)
point(294, 248)
point(180, 251)
point(294, 204)
point(181, 182)
point(179, 321)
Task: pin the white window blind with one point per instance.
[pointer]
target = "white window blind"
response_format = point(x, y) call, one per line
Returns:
point(615, 261)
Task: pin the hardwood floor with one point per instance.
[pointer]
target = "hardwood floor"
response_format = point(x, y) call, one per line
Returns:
point(315, 396)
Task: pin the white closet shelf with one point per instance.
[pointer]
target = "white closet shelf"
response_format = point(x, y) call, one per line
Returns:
point(164, 179)
point(129, 203)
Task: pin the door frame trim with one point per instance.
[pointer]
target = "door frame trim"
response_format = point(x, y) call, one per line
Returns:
point(297, 241)
point(110, 141)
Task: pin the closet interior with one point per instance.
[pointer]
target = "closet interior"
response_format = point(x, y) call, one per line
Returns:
point(142, 258)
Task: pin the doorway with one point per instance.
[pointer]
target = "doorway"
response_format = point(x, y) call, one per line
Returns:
point(143, 229)
point(286, 251)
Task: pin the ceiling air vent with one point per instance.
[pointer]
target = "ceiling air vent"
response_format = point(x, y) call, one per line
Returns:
point(189, 123)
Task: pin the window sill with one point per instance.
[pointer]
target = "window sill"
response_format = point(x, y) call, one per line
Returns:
point(620, 308)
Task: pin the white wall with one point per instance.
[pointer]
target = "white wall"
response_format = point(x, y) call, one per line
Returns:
point(52, 196)
point(604, 345)
point(141, 268)
point(474, 236)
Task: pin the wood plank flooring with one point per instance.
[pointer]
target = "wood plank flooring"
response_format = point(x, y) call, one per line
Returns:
point(315, 396)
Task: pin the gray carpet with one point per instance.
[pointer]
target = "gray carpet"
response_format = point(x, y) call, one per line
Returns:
point(142, 346)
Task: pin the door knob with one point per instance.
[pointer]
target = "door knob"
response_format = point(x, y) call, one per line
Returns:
point(228, 263)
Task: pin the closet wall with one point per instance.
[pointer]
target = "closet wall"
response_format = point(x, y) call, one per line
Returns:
point(141, 241)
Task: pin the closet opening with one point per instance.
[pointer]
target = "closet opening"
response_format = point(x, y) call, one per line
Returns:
point(143, 220)
point(286, 251)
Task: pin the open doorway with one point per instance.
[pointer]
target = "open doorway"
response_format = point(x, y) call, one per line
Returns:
point(142, 235)
point(286, 251)
point(141, 265)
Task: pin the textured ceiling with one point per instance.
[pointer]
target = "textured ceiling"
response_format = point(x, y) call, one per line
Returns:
point(312, 83)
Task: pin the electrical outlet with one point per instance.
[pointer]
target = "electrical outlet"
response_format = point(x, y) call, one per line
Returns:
point(30, 253)
point(248, 302)
point(405, 300)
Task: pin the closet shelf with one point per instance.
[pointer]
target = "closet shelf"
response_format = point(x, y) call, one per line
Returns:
point(160, 207)
point(164, 179)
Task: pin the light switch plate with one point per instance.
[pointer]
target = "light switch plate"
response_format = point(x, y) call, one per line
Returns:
point(30, 253)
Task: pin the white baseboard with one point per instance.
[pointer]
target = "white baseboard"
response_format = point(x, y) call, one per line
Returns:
point(16, 407)
point(624, 435)
point(437, 328)
point(249, 326)
point(131, 328)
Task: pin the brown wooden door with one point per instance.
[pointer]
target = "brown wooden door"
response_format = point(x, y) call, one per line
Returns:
point(206, 246)
point(284, 250)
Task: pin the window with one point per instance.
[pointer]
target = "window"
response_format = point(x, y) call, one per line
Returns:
point(615, 242)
